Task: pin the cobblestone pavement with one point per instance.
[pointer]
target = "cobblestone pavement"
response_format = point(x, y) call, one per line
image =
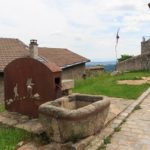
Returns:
point(135, 132)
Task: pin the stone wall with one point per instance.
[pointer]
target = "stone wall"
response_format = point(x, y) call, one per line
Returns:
point(145, 47)
point(74, 72)
point(140, 62)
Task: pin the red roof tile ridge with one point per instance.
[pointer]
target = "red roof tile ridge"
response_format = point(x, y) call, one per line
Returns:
point(52, 48)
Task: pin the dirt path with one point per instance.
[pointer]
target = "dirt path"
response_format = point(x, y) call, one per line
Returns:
point(135, 82)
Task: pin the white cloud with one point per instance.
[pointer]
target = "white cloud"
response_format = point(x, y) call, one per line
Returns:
point(84, 26)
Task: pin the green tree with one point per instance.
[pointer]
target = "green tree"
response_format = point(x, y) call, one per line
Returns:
point(124, 57)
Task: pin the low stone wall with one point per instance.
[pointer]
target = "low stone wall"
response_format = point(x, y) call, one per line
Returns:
point(140, 62)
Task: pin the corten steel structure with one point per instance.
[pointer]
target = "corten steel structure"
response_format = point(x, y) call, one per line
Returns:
point(29, 83)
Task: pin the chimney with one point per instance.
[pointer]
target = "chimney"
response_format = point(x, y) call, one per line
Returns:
point(33, 49)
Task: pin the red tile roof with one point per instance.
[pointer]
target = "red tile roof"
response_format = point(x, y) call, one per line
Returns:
point(62, 57)
point(11, 49)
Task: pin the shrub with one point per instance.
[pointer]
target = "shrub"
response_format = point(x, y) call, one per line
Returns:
point(124, 57)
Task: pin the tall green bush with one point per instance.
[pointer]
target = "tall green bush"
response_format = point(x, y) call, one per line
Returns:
point(124, 57)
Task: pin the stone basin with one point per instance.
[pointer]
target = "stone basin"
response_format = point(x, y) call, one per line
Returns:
point(74, 117)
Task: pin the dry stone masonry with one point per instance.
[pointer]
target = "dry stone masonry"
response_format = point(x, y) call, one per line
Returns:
point(140, 62)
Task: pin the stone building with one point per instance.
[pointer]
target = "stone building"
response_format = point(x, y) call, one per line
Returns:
point(94, 70)
point(145, 46)
point(140, 62)
point(72, 64)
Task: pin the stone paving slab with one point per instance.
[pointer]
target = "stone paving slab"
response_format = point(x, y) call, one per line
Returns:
point(117, 106)
point(135, 132)
point(123, 140)
point(33, 125)
point(21, 121)
point(109, 130)
point(29, 146)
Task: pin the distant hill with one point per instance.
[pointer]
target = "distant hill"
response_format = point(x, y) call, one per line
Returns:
point(108, 65)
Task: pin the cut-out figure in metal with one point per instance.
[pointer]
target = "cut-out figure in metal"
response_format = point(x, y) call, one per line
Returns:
point(16, 91)
point(36, 96)
point(29, 87)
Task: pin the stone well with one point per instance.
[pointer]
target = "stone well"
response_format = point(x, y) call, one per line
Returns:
point(74, 117)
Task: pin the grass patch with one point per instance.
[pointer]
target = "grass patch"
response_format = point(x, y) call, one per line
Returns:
point(107, 140)
point(10, 137)
point(105, 84)
point(117, 129)
point(102, 147)
point(124, 120)
point(137, 107)
point(2, 107)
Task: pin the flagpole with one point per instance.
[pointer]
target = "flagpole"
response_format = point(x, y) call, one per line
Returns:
point(117, 39)
point(116, 57)
point(116, 52)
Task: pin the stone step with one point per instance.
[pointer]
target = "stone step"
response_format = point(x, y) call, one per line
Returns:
point(21, 121)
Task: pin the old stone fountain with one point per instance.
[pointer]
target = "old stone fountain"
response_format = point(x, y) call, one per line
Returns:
point(74, 117)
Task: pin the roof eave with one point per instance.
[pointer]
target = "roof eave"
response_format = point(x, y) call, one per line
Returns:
point(74, 64)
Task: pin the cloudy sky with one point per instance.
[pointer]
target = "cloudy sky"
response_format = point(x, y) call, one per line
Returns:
point(87, 27)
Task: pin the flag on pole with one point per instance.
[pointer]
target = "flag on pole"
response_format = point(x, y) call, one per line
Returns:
point(117, 40)
point(117, 37)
